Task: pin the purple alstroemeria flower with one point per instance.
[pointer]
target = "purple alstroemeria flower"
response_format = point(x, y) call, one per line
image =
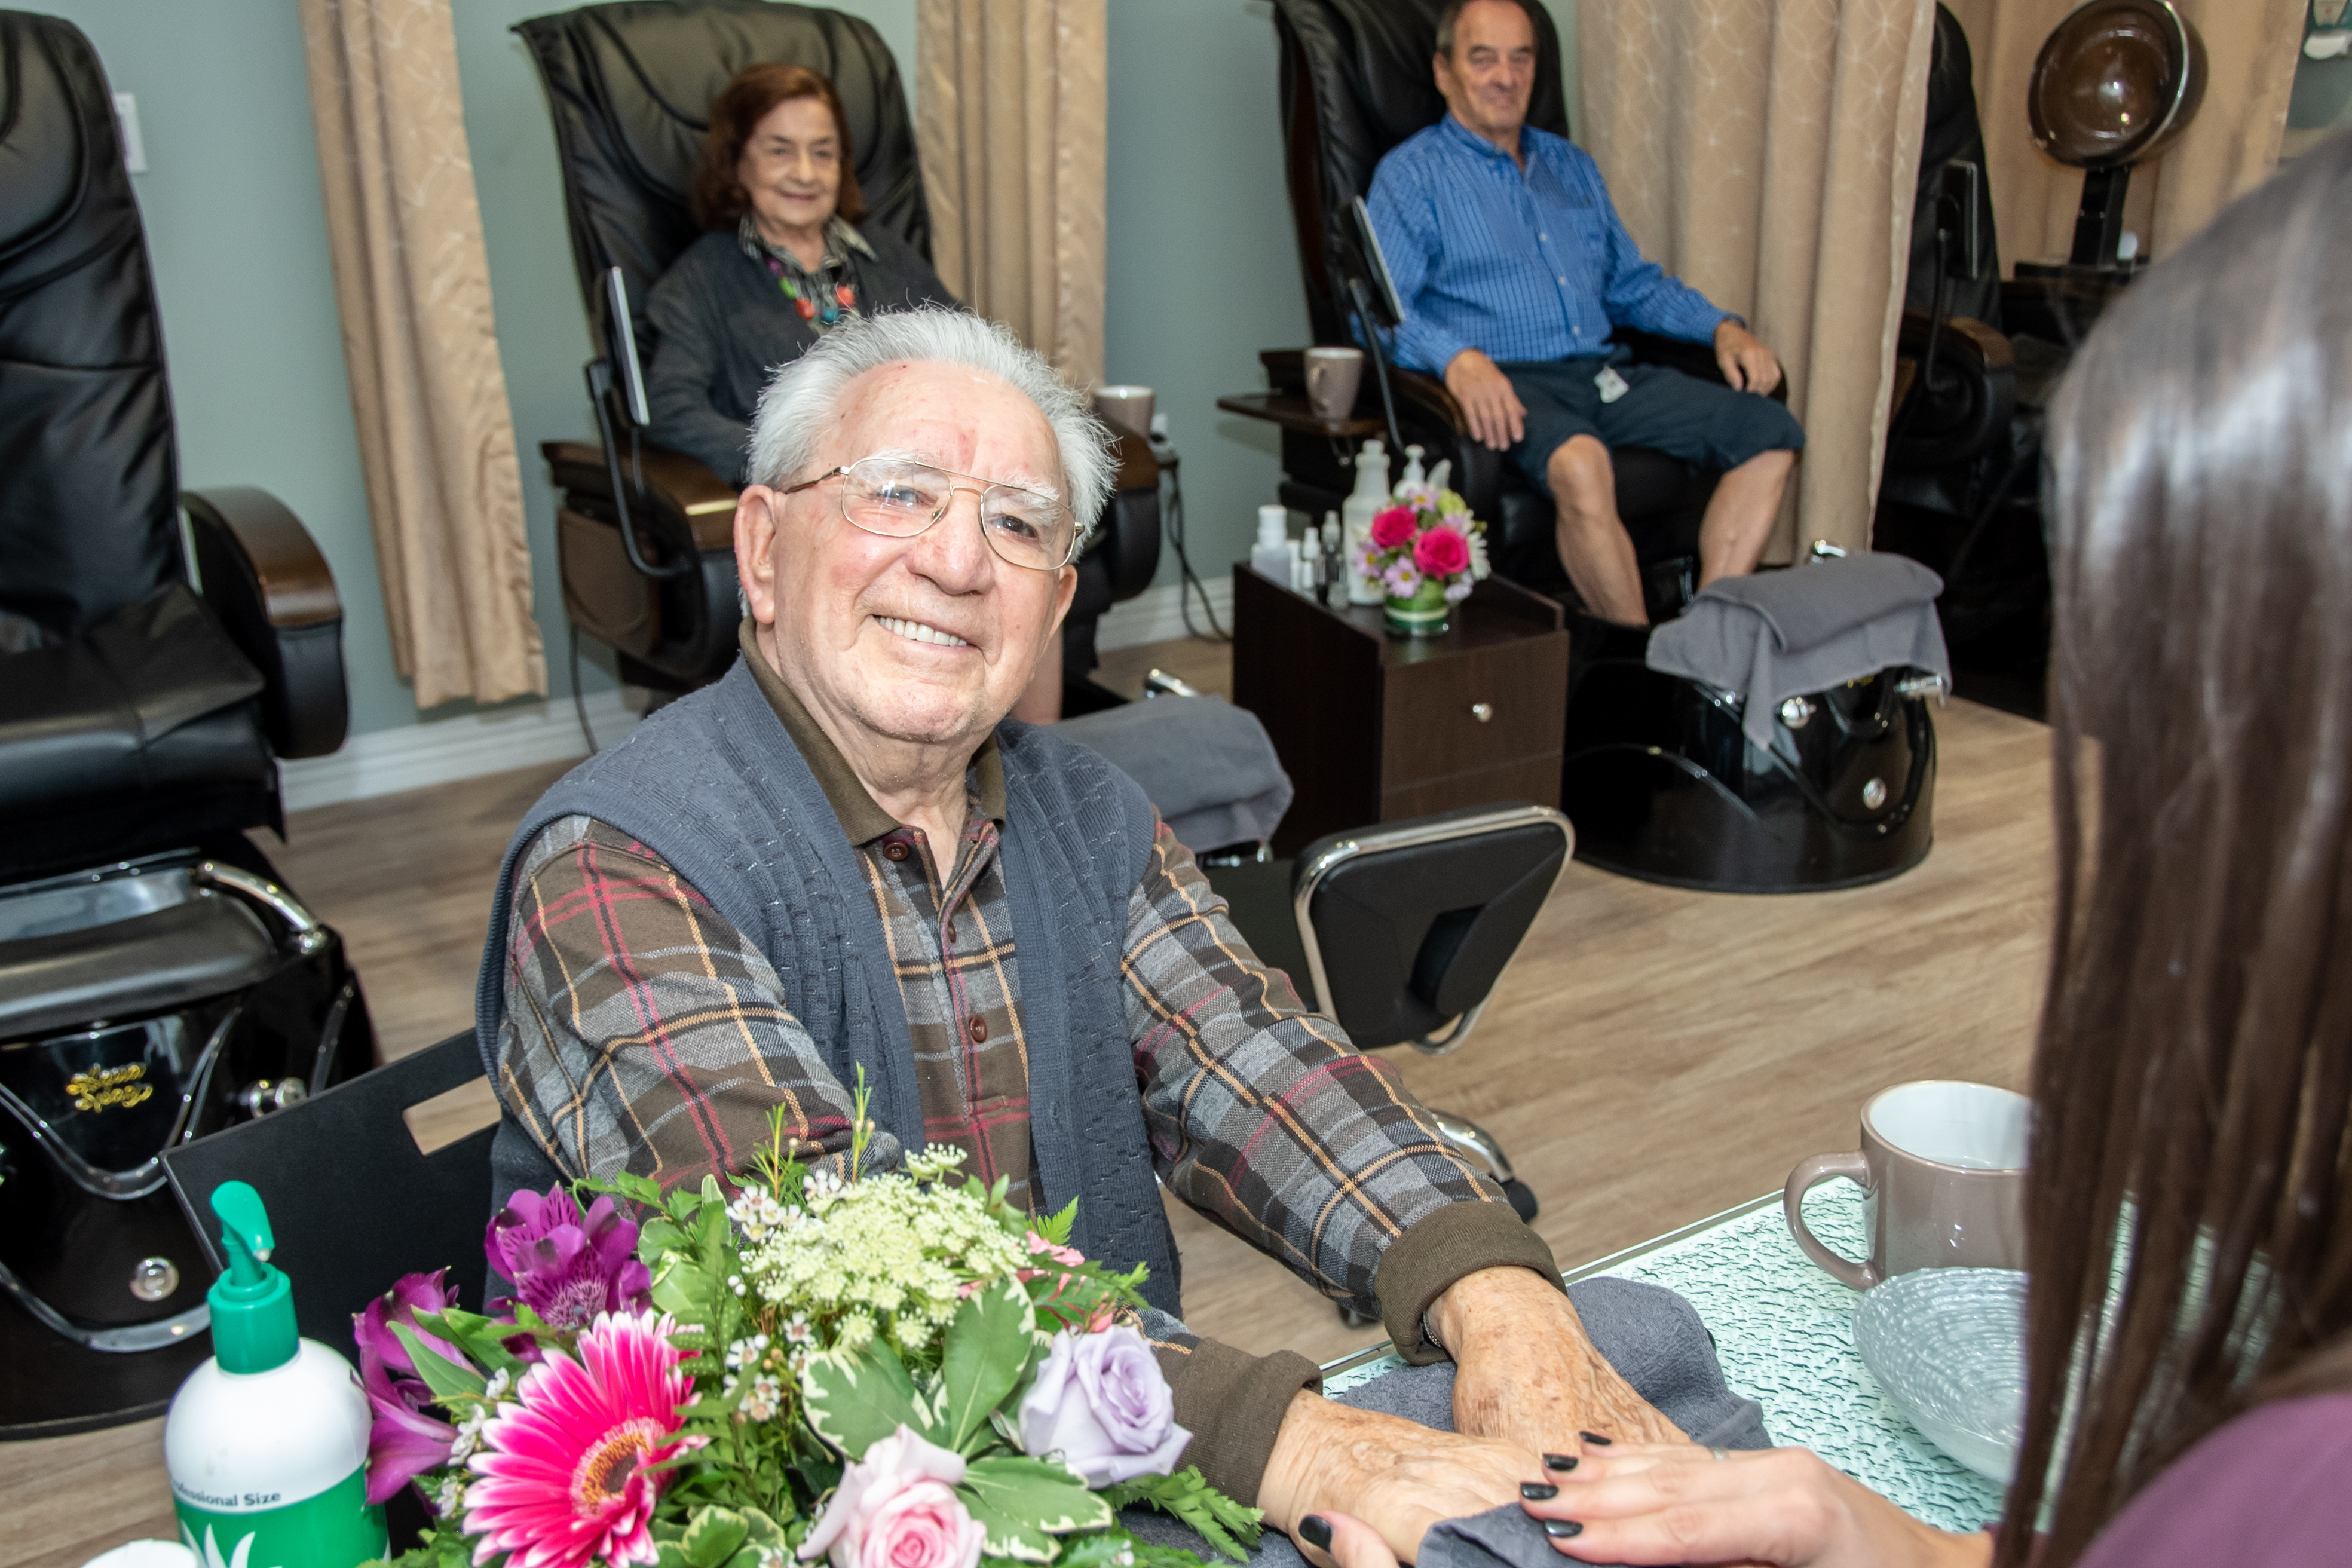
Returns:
point(566, 1266)
point(403, 1442)
point(411, 1294)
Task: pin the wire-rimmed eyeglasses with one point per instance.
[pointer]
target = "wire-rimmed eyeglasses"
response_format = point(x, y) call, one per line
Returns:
point(898, 498)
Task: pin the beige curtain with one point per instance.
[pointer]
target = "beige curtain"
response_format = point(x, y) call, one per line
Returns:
point(1767, 152)
point(2230, 147)
point(413, 288)
point(1009, 120)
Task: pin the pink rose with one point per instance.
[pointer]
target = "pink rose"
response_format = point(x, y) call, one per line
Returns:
point(1392, 529)
point(1100, 1406)
point(896, 1508)
point(1442, 551)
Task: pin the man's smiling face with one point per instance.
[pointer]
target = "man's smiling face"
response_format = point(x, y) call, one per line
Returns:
point(929, 639)
point(1491, 74)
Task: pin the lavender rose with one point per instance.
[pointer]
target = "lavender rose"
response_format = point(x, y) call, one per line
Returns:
point(1101, 1406)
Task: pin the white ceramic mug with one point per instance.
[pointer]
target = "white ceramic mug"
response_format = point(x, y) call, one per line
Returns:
point(1942, 1172)
point(1333, 375)
point(1129, 407)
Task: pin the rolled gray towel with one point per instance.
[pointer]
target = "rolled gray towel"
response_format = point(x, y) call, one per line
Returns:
point(1206, 764)
point(1654, 1339)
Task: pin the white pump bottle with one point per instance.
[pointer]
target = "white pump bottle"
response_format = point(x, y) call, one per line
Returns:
point(1363, 503)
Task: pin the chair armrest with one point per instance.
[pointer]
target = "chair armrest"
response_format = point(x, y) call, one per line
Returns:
point(683, 498)
point(1971, 396)
point(271, 589)
point(1695, 360)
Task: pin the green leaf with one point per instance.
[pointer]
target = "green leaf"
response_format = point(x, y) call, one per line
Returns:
point(1039, 1493)
point(713, 1536)
point(856, 1399)
point(446, 1378)
point(989, 1344)
point(479, 1337)
point(1187, 1495)
point(1008, 1537)
point(1057, 1229)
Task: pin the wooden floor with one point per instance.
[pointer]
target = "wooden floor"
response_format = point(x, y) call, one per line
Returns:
point(1652, 1057)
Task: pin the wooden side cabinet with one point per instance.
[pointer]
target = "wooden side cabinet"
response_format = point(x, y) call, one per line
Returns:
point(1373, 728)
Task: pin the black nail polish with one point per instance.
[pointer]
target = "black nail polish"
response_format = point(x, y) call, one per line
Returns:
point(1561, 1528)
point(1539, 1491)
point(1594, 1438)
point(1315, 1530)
point(1561, 1462)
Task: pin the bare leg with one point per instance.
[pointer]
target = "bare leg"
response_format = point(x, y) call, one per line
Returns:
point(1041, 699)
point(1739, 516)
point(1594, 544)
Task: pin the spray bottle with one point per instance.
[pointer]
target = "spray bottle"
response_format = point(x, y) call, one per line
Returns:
point(1365, 502)
point(267, 1443)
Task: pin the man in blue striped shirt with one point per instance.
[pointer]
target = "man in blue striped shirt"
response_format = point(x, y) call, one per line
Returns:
point(1514, 269)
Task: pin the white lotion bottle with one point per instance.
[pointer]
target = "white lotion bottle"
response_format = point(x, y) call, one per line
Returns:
point(1273, 553)
point(267, 1443)
point(1367, 501)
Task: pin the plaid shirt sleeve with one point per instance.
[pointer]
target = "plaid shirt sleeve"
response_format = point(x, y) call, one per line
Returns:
point(644, 1031)
point(1262, 1116)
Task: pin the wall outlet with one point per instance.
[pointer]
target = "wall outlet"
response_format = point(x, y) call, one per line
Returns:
point(134, 147)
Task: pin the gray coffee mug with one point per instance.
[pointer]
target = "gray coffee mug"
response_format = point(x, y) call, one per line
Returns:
point(1333, 375)
point(1126, 406)
point(1942, 1171)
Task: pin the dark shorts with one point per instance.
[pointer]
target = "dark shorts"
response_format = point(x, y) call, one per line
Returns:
point(1702, 422)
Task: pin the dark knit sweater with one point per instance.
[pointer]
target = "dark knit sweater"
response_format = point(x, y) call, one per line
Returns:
point(721, 326)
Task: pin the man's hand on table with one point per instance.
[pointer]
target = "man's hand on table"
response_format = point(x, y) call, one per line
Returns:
point(1525, 1373)
point(1744, 360)
point(1396, 1476)
point(1497, 418)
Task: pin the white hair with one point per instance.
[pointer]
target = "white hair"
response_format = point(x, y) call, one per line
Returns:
point(805, 393)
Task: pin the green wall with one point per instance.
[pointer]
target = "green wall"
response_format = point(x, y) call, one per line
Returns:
point(1203, 271)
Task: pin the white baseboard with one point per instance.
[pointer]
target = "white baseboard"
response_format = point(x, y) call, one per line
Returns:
point(440, 751)
point(446, 749)
point(1156, 614)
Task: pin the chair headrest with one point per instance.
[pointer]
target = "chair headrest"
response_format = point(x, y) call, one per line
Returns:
point(89, 507)
point(630, 86)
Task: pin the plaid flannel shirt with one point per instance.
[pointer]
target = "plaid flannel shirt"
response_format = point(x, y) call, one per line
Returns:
point(645, 1033)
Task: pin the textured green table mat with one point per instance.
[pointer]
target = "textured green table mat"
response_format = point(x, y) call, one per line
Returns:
point(1784, 1332)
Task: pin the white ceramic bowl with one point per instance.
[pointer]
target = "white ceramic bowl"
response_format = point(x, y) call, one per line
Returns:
point(1948, 1346)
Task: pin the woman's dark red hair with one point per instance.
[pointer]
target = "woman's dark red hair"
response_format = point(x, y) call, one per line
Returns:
point(720, 200)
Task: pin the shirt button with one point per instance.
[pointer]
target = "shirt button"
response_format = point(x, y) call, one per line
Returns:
point(951, 929)
point(1543, 237)
point(893, 850)
point(979, 1028)
point(1564, 282)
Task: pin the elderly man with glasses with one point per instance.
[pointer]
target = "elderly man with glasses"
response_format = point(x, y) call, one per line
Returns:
point(843, 856)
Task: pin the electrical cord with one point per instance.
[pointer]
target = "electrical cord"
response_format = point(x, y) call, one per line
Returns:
point(1188, 581)
point(578, 703)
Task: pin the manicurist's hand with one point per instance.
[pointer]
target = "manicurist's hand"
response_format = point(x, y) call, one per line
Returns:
point(1397, 1476)
point(1676, 1504)
point(1524, 1371)
point(1497, 418)
point(1746, 362)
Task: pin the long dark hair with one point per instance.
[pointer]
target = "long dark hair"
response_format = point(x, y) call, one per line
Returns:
point(2194, 1074)
point(719, 199)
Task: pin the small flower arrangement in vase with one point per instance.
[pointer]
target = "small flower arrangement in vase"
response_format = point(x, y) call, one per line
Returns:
point(1424, 552)
point(894, 1371)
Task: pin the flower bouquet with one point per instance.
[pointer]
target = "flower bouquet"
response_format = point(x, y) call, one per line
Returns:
point(888, 1371)
point(1424, 552)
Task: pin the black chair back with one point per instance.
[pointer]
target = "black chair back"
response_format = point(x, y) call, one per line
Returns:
point(1409, 925)
point(1953, 131)
point(1356, 79)
point(353, 1202)
point(89, 477)
point(630, 86)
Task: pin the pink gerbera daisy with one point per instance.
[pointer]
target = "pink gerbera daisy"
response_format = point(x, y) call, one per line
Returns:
point(564, 1480)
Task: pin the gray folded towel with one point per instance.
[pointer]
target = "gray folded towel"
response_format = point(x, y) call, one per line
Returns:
point(1654, 1339)
point(1206, 764)
point(1777, 634)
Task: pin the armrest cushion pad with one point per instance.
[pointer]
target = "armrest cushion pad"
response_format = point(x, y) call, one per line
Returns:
point(684, 493)
point(266, 580)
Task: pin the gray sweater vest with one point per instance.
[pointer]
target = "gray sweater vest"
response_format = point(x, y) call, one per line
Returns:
point(714, 785)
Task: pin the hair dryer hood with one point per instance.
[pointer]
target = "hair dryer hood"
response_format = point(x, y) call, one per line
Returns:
point(2116, 82)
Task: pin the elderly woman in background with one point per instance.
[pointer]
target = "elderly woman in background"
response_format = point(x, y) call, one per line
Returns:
point(782, 265)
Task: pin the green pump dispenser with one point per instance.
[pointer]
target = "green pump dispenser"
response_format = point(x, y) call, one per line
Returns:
point(253, 1305)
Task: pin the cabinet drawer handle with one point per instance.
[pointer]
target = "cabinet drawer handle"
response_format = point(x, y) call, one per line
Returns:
point(1483, 711)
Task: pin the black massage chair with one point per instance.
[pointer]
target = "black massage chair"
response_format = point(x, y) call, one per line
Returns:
point(1656, 772)
point(645, 537)
point(156, 983)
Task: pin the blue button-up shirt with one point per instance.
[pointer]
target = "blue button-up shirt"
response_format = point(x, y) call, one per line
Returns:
point(1532, 266)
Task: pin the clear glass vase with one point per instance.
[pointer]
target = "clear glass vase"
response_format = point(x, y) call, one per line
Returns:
point(1421, 613)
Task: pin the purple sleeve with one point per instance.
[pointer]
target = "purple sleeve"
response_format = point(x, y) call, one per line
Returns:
point(2267, 1487)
